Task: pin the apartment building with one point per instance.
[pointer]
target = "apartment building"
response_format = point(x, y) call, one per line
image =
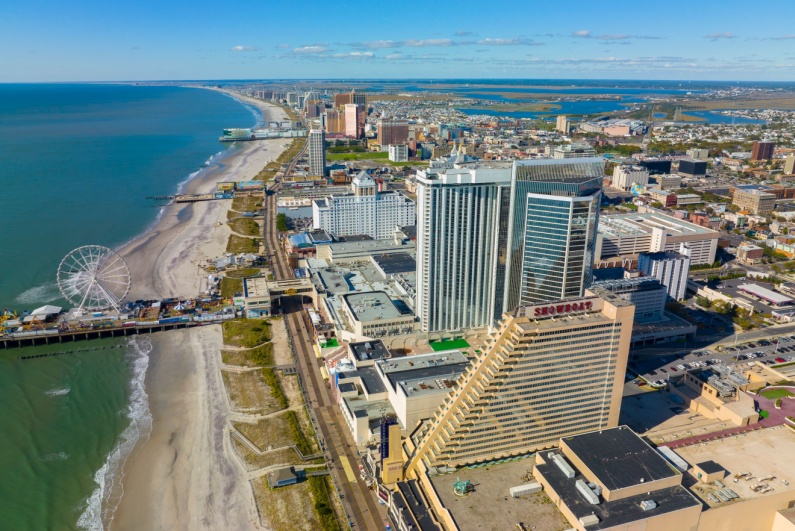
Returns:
point(317, 152)
point(461, 240)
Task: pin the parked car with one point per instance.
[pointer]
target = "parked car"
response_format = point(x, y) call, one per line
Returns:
point(780, 360)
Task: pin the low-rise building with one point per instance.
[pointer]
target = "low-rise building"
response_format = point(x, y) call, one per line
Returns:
point(625, 176)
point(754, 201)
point(571, 151)
point(612, 479)
point(692, 168)
point(749, 253)
point(669, 182)
point(688, 199)
point(398, 152)
point(374, 314)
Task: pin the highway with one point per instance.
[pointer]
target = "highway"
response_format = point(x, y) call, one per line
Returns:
point(360, 503)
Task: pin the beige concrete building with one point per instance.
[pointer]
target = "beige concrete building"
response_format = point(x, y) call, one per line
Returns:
point(563, 124)
point(374, 314)
point(717, 396)
point(754, 201)
point(259, 294)
point(551, 371)
point(631, 234)
point(613, 480)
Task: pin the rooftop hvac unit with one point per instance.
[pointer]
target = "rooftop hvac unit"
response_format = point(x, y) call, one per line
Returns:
point(648, 505)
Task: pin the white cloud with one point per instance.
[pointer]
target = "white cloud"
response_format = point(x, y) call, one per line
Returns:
point(509, 42)
point(354, 55)
point(310, 50)
point(585, 34)
point(724, 35)
point(428, 42)
point(241, 48)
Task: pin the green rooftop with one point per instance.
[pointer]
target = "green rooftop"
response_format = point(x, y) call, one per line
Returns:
point(449, 345)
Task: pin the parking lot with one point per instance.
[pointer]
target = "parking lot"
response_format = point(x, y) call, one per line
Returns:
point(769, 351)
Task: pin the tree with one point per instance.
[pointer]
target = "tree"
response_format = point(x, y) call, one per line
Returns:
point(702, 301)
point(281, 222)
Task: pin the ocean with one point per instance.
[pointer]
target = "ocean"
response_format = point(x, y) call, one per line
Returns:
point(77, 163)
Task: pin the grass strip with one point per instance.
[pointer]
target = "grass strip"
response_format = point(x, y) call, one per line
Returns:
point(278, 393)
point(247, 333)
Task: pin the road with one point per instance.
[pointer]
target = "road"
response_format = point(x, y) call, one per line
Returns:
point(360, 504)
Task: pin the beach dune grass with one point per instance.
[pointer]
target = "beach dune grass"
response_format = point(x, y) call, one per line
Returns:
point(246, 203)
point(247, 333)
point(231, 286)
point(253, 461)
point(275, 431)
point(245, 226)
point(277, 392)
point(261, 356)
point(239, 244)
point(290, 508)
point(249, 393)
point(246, 272)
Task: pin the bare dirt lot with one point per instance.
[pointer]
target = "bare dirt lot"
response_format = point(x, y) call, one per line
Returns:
point(490, 506)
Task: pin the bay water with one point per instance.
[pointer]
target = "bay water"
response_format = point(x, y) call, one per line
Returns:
point(77, 163)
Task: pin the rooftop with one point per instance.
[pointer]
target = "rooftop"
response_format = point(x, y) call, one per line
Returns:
point(765, 294)
point(665, 255)
point(255, 287)
point(619, 458)
point(424, 373)
point(757, 453)
point(368, 375)
point(616, 513)
point(624, 225)
point(372, 305)
point(334, 281)
point(394, 263)
point(369, 350)
point(410, 499)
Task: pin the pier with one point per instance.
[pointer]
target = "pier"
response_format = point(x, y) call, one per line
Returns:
point(47, 337)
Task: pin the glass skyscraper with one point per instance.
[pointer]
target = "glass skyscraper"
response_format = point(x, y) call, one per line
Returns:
point(552, 234)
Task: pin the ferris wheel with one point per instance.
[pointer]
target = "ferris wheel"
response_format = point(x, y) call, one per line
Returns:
point(94, 277)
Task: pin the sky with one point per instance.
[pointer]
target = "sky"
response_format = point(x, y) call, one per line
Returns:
point(121, 40)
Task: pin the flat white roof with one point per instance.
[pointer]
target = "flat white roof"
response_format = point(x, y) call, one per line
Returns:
point(765, 294)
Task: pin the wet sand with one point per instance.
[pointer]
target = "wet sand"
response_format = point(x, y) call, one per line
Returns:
point(185, 475)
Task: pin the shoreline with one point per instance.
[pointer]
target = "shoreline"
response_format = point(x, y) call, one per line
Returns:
point(164, 259)
point(184, 475)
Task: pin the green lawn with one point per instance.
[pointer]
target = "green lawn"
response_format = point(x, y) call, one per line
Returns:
point(449, 345)
point(772, 394)
point(330, 343)
point(357, 156)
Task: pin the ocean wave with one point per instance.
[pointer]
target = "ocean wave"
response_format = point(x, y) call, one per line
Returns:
point(101, 505)
point(58, 392)
point(39, 294)
point(59, 456)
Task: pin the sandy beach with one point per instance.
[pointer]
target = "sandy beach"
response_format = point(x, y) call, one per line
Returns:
point(185, 476)
point(164, 262)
